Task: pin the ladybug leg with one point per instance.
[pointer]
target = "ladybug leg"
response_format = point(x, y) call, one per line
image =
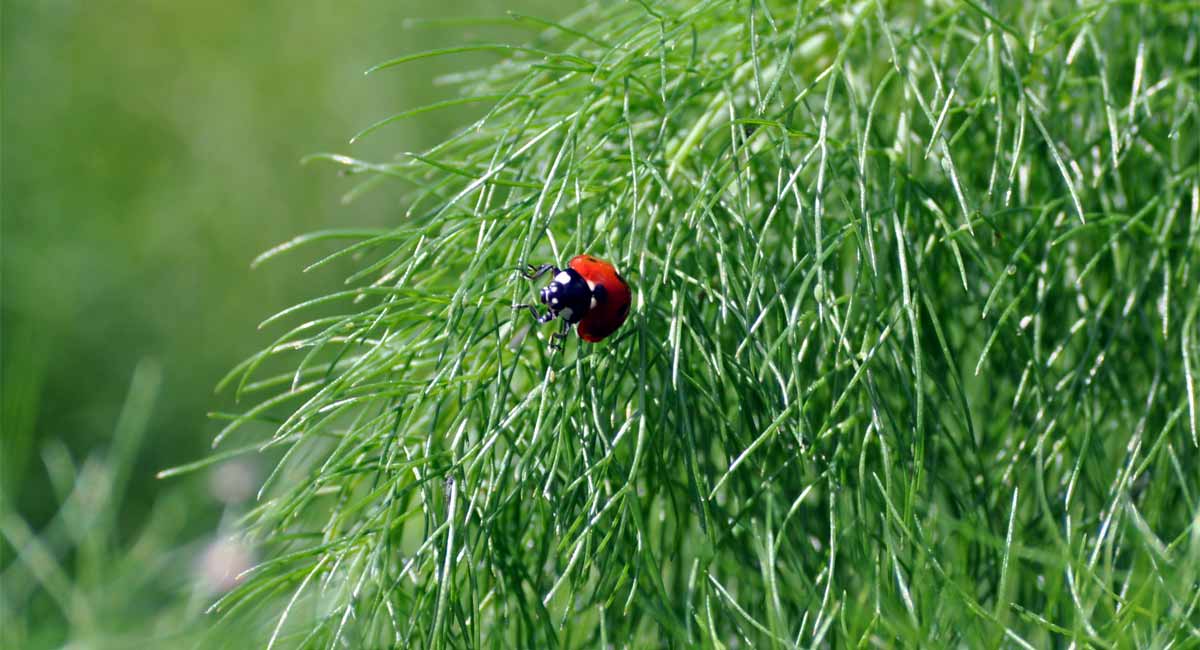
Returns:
point(557, 338)
point(538, 271)
point(532, 310)
point(540, 318)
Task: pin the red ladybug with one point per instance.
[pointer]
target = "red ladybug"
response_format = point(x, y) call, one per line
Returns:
point(589, 292)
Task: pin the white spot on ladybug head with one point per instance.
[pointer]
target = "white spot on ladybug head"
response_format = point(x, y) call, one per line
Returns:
point(563, 277)
point(554, 301)
point(554, 287)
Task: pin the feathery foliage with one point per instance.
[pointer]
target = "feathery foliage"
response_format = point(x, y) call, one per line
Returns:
point(912, 359)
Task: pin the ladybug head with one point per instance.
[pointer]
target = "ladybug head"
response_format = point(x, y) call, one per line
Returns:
point(568, 296)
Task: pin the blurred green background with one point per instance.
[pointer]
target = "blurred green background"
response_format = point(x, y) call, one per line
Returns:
point(150, 151)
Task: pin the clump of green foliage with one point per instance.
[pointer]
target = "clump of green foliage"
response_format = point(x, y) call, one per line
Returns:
point(911, 362)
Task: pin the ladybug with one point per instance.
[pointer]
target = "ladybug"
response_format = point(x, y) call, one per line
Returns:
point(589, 293)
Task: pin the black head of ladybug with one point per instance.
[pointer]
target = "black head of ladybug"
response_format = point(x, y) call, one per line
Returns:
point(568, 296)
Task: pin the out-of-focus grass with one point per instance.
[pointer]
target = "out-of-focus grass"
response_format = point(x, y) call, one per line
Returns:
point(77, 579)
point(150, 151)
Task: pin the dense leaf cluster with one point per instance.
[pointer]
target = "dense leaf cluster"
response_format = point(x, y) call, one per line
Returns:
point(911, 361)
